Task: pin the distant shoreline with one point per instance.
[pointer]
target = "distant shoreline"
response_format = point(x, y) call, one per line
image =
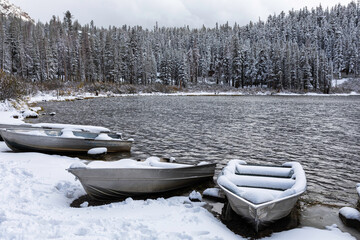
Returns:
point(52, 95)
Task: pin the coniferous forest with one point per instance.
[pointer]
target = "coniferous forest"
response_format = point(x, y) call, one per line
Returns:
point(297, 51)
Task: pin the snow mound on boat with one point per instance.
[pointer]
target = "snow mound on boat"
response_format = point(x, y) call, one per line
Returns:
point(35, 133)
point(103, 136)
point(77, 165)
point(87, 128)
point(261, 184)
point(68, 133)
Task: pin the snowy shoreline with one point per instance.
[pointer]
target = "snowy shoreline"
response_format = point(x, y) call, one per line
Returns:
point(52, 96)
point(37, 192)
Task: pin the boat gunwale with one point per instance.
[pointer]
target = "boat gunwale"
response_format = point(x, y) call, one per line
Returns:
point(16, 131)
point(147, 168)
point(102, 179)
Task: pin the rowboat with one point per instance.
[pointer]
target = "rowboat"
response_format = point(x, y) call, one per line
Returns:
point(127, 177)
point(62, 140)
point(262, 194)
point(58, 126)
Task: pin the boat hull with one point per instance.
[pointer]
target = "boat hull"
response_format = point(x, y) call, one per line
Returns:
point(49, 144)
point(263, 214)
point(120, 182)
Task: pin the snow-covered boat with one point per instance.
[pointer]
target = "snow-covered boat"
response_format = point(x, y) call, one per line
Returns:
point(58, 126)
point(262, 194)
point(62, 140)
point(127, 177)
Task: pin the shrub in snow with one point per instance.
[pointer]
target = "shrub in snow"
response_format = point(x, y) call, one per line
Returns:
point(10, 86)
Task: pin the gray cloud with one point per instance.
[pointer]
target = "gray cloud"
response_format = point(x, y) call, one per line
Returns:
point(194, 13)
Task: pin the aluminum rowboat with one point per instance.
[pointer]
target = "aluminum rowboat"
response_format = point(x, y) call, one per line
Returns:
point(55, 141)
point(112, 183)
point(40, 126)
point(276, 207)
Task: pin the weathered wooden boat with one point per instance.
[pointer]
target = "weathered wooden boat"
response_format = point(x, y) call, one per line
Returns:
point(262, 194)
point(62, 140)
point(127, 177)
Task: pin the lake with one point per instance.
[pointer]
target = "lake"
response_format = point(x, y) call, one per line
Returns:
point(320, 132)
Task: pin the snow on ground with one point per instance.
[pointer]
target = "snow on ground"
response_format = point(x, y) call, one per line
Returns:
point(337, 82)
point(6, 113)
point(317, 94)
point(52, 96)
point(332, 233)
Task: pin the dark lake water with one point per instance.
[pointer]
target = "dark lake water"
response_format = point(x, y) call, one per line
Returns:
point(322, 133)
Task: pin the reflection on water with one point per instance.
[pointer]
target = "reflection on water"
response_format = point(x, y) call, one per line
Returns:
point(322, 133)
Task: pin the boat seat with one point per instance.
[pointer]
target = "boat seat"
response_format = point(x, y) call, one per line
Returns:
point(284, 172)
point(261, 182)
point(259, 195)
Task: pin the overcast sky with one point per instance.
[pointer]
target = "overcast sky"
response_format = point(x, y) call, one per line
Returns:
point(146, 13)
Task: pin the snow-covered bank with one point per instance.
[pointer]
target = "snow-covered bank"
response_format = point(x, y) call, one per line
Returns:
point(318, 94)
point(51, 96)
point(7, 111)
point(37, 192)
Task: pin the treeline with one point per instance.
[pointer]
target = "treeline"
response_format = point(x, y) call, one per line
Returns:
point(300, 51)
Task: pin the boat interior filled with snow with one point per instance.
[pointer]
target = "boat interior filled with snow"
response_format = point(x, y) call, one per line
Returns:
point(128, 177)
point(63, 140)
point(262, 194)
point(55, 126)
